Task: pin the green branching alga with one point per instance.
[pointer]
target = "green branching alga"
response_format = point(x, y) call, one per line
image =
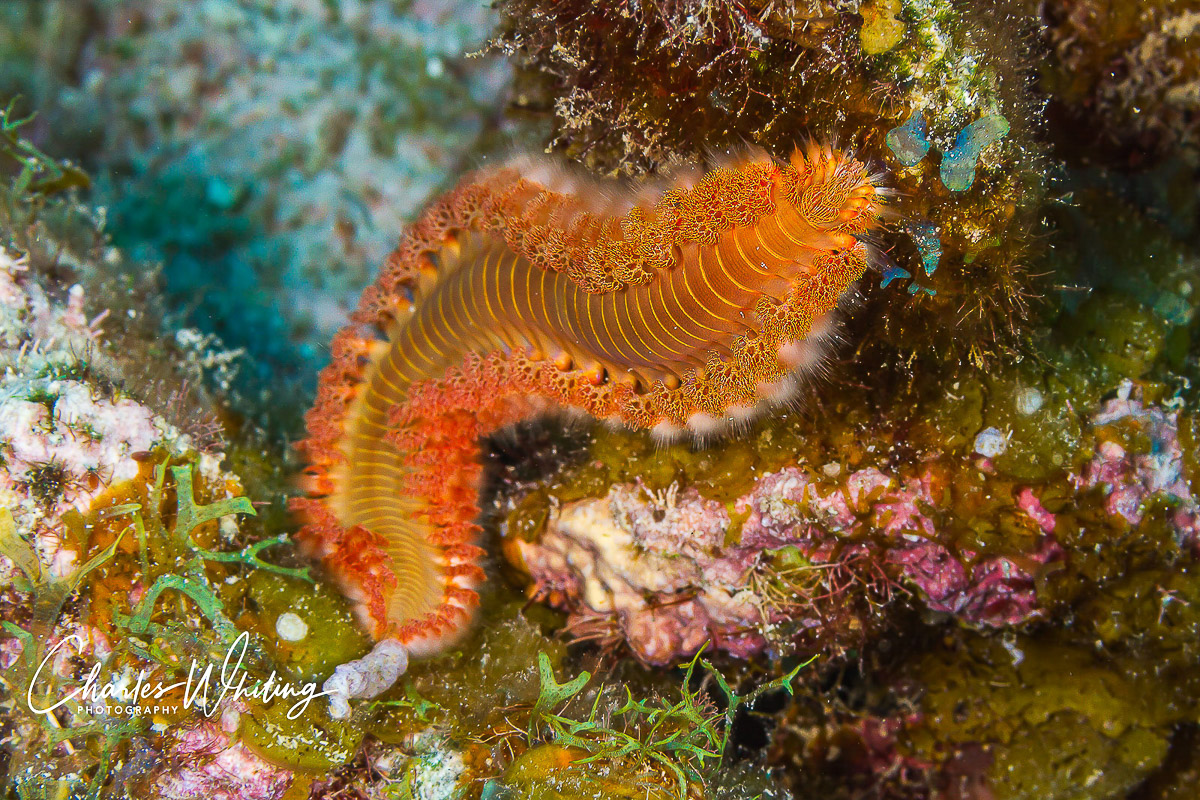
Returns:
point(637, 748)
point(494, 712)
point(182, 617)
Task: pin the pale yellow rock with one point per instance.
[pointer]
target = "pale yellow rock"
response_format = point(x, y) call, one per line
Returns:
point(882, 29)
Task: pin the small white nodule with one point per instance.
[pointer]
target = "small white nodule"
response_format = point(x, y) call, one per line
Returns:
point(1029, 401)
point(290, 627)
point(990, 442)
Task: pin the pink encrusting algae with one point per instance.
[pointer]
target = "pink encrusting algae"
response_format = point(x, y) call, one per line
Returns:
point(657, 568)
point(212, 764)
point(1130, 479)
point(64, 439)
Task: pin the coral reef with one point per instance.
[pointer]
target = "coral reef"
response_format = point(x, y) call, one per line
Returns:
point(137, 556)
point(957, 560)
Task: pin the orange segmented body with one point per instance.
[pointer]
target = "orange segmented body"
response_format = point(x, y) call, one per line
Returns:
point(686, 307)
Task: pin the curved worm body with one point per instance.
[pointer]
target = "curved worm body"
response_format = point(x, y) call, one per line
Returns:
point(682, 307)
